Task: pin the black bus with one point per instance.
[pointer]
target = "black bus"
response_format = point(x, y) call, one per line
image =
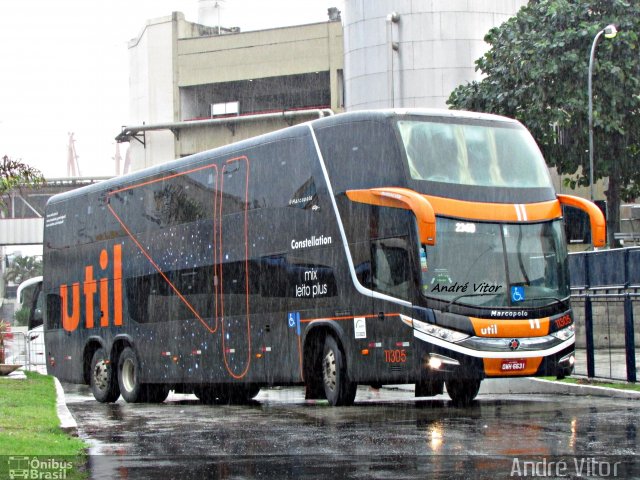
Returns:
point(381, 247)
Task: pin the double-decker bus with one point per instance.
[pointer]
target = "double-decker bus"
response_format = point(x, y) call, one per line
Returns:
point(381, 247)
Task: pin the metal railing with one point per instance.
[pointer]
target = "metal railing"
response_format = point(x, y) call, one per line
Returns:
point(26, 349)
point(605, 295)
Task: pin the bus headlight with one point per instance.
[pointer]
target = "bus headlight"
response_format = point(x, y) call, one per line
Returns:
point(565, 333)
point(439, 332)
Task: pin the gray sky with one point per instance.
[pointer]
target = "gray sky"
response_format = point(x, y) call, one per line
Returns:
point(64, 68)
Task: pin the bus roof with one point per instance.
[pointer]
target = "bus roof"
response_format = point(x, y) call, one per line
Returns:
point(272, 136)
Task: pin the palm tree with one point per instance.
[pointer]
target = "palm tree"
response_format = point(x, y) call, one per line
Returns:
point(23, 268)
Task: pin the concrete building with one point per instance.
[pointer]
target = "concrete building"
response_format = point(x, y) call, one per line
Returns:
point(195, 87)
point(192, 88)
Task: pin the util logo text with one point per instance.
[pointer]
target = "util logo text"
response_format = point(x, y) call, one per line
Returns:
point(490, 330)
point(91, 286)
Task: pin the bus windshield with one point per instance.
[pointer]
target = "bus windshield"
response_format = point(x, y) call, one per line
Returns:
point(496, 265)
point(482, 153)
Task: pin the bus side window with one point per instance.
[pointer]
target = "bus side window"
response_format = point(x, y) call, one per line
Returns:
point(54, 311)
point(391, 268)
point(138, 291)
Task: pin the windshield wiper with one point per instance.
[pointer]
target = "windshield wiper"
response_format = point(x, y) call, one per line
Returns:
point(455, 299)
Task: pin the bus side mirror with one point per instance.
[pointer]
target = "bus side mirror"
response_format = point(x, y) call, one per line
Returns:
point(596, 218)
point(406, 199)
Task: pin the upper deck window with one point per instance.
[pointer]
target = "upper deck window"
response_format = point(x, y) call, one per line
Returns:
point(489, 154)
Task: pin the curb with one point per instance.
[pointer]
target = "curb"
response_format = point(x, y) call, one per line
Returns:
point(549, 386)
point(67, 422)
point(540, 386)
point(17, 375)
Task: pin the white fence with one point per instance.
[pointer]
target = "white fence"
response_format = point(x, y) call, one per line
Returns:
point(26, 349)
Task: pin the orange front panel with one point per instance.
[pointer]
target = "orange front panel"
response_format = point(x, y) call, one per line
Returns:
point(500, 367)
point(533, 327)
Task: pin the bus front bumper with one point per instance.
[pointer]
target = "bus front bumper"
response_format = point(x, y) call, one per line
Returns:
point(502, 357)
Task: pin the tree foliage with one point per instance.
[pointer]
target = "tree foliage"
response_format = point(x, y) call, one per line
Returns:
point(16, 175)
point(536, 70)
point(23, 268)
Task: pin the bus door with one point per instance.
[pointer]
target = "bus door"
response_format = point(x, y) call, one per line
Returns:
point(392, 274)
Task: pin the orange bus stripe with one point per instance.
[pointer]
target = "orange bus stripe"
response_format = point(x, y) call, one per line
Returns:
point(117, 284)
point(349, 317)
point(246, 246)
point(156, 180)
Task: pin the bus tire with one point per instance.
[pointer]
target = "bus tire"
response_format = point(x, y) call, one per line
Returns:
point(313, 382)
point(102, 378)
point(252, 390)
point(155, 393)
point(238, 394)
point(226, 394)
point(206, 394)
point(462, 390)
point(129, 377)
point(338, 389)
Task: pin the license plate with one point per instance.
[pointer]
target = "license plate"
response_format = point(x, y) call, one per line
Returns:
point(513, 365)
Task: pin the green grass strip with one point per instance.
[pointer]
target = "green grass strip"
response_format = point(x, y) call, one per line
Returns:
point(30, 429)
point(597, 383)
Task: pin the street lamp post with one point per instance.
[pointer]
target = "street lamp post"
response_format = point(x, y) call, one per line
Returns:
point(609, 31)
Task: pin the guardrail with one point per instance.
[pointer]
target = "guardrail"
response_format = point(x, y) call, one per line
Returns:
point(605, 295)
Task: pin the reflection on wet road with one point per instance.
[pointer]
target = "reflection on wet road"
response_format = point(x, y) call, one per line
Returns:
point(387, 434)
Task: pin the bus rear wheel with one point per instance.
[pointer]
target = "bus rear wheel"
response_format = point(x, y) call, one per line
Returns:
point(462, 390)
point(102, 378)
point(337, 386)
point(128, 377)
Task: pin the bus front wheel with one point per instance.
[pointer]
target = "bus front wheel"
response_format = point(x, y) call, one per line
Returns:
point(104, 384)
point(337, 386)
point(462, 390)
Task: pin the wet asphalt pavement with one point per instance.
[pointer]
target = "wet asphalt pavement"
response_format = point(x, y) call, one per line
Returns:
point(386, 434)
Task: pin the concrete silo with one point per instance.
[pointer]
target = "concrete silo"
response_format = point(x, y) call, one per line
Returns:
point(413, 53)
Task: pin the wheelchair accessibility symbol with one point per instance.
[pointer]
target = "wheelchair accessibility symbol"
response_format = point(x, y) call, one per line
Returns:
point(293, 319)
point(517, 294)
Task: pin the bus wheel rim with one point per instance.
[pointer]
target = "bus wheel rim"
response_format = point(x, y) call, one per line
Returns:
point(329, 369)
point(101, 375)
point(128, 375)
